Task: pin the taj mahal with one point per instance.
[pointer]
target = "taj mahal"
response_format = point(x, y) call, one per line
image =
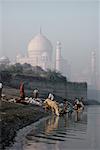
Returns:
point(40, 53)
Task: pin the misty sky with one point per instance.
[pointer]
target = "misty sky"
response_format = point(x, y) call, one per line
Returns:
point(75, 23)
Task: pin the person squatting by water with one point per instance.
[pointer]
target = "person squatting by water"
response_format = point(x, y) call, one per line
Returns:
point(64, 109)
point(65, 105)
point(1, 87)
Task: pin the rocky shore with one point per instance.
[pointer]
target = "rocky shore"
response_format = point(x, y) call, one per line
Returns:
point(14, 117)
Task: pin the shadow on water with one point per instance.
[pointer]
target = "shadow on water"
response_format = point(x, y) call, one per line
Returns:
point(64, 133)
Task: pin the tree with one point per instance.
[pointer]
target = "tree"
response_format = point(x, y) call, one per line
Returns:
point(5, 76)
point(26, 66)
point(54, 76)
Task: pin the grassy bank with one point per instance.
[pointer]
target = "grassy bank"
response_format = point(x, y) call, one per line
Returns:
point(14, 117)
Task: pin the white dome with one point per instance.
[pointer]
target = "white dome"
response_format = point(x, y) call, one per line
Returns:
point(45, 54)
point(4, 60)
point(39, 49)
point(39, 44)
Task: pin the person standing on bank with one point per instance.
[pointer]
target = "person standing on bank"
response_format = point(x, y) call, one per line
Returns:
point(22, 93)
point(36, 93)
point(1, 87)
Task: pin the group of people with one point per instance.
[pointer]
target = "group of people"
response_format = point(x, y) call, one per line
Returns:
point(77, 105)
point(22, 92)
point(66, 107)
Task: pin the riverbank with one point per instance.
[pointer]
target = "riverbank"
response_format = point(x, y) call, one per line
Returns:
point(14, 117)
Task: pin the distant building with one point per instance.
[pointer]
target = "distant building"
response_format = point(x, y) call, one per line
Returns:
point(94, 69)
point(61, 63)
point(58, 57)
point(4, 60)
point(66, 69)
point(40, 52)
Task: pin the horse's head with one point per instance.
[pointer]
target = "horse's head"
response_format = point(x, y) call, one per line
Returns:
point(45, 104)
point(45, 101)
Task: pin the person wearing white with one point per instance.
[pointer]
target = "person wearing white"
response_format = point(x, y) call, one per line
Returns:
point(51, 96)
point(36, 93)
point(1, 86)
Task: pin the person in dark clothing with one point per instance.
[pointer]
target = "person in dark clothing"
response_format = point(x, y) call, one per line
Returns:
point(65, 105)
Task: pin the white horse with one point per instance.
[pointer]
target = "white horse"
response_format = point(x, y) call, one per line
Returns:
point(53, 105)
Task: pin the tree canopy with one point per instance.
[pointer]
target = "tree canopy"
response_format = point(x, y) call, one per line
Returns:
point(28, 70)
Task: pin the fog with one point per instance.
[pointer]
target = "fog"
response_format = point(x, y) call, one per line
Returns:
point(74, 23)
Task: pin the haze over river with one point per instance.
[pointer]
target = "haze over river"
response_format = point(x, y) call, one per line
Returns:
point(63, 133)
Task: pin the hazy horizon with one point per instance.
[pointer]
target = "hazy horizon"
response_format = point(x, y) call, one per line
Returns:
point(74, 23)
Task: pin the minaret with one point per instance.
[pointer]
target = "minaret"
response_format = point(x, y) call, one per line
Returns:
point(93, 69)
point(58, 56)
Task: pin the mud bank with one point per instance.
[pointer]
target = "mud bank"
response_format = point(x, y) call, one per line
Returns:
point(14, 117)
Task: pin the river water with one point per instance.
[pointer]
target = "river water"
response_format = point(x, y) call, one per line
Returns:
point(64, 133)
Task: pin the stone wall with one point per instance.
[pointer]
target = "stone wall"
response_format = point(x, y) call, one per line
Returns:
point(61, 88)
point(75, 89)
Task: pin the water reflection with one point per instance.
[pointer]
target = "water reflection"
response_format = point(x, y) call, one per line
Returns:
point(64, 133)
point(51, 124)
point(55, 132)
